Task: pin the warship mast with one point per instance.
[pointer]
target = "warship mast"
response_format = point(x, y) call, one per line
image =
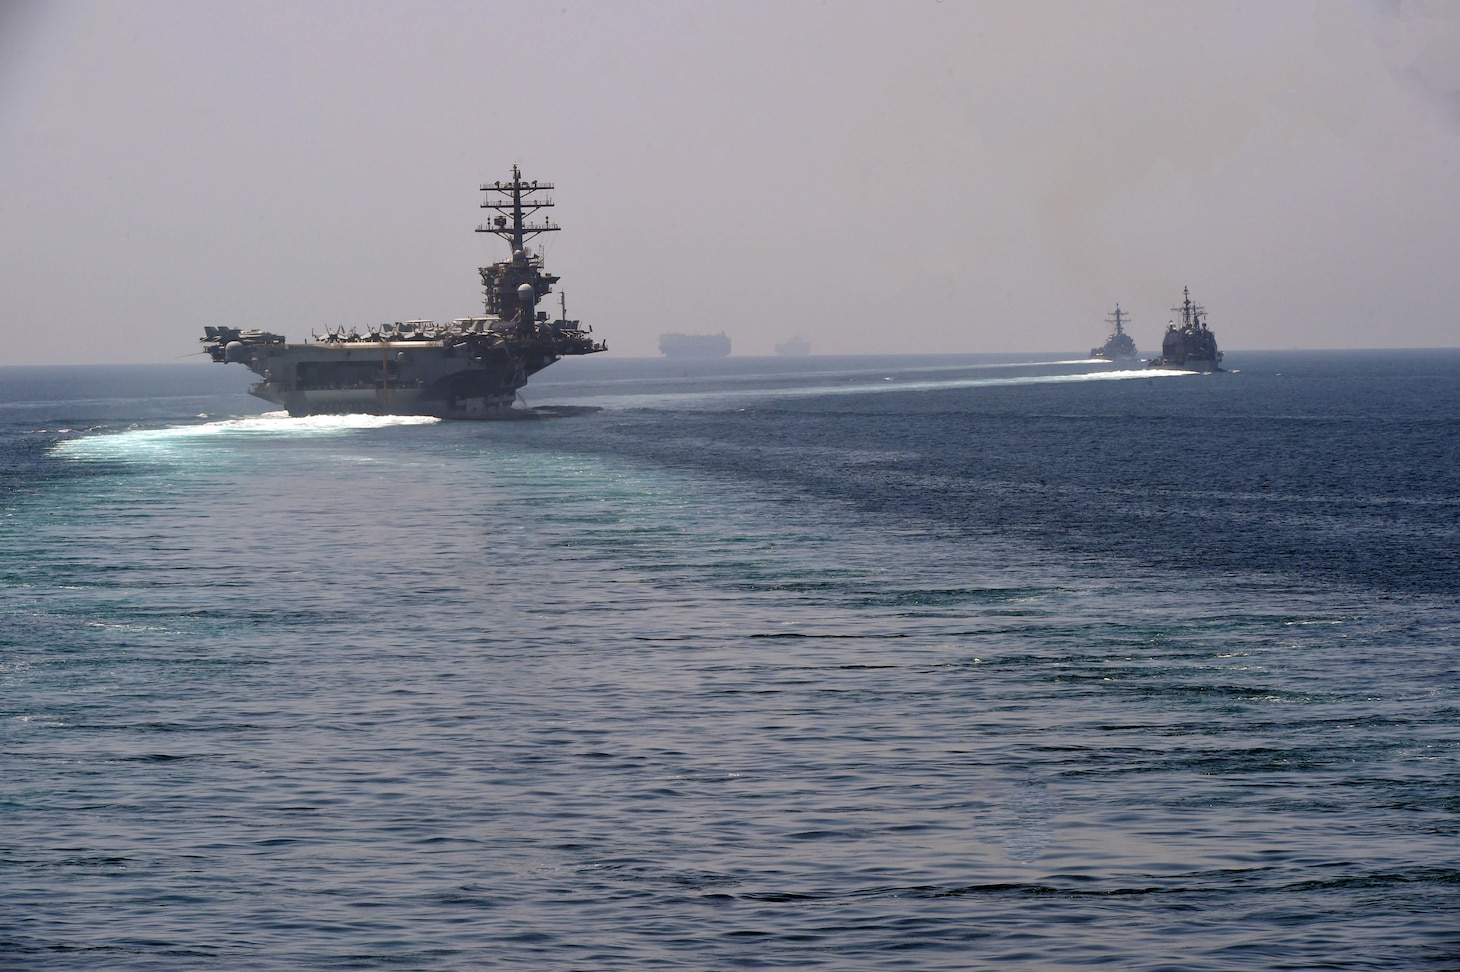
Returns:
point(1117, 320)
point(512, 200)
point(516, 202)
point(1191, 314)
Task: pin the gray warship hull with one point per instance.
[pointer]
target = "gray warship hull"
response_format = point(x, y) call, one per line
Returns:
point(1188, 351)
point(471, 368)
point(1198, 364)
point(1115, 352)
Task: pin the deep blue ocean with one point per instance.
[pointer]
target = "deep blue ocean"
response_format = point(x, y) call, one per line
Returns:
point(820, 663)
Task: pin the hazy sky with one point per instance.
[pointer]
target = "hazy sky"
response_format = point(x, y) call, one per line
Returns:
point(876, 176)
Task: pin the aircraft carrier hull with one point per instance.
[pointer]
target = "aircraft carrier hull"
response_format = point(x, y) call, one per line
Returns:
point(391, 378)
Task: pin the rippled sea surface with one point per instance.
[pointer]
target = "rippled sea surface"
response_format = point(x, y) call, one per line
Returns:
point(938, 663)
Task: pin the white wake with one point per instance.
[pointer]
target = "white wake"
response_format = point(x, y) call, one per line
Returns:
point(172, 440)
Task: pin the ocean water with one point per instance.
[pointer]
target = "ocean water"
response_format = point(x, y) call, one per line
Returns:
point(933, 663)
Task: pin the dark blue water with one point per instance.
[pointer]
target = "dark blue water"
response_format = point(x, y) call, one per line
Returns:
point(936, 663)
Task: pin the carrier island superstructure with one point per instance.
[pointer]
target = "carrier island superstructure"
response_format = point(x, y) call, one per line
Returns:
point(469, 368)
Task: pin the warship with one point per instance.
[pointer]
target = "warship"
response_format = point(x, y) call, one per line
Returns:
point(1119, 346)
point(694, 345)
point(1189, 346)
point(472, 367)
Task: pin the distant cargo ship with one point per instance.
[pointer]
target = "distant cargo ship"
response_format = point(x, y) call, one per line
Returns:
point(694, 345)
point(794, 348)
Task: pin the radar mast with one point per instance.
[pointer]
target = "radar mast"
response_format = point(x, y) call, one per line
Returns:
point(1191, 314)
point(515, 202)
point(1118, 320)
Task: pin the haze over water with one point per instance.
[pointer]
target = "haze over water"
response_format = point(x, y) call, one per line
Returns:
point(878, 177)
point(933, 663)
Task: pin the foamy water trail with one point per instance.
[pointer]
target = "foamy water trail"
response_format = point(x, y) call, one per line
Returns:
point(868, 384)
point(163, 443)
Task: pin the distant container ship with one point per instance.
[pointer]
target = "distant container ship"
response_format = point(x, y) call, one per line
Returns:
point(694, 345)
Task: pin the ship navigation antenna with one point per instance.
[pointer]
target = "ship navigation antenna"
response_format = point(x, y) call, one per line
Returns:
point(1190, 313)
point(515, 204)
point(1117, 319)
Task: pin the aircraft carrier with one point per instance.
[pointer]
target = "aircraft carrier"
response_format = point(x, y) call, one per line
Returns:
point(470, 368)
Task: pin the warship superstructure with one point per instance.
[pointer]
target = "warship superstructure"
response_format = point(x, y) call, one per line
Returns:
point(1119, 346)
point(469, 368)
point(1190, 345)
